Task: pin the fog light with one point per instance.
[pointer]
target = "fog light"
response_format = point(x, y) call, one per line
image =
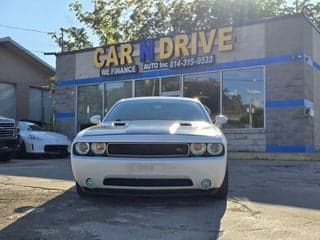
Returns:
point(206, 183)
point(90, 183)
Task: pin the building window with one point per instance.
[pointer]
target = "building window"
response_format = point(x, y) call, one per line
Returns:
point(206, 88)
point(92, 99)
point(40, 105)
point(171, 86)
point(7, 100)
point(89, 103)
point(243, 98)
point(147, 87)
point(115, 91)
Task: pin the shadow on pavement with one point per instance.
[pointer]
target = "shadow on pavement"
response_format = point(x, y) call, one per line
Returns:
point(289, 183)
point(70, 217)
point(59, 169)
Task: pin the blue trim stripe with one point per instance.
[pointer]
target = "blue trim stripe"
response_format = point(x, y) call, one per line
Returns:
point(289, 148)
point(220, 66)
point(166, 72)
point(60, 115)
point(290, 103)
point(311, 62)
point(285, 103)
point(308, 104)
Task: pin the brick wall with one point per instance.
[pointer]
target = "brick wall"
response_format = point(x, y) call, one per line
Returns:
point(244, 140)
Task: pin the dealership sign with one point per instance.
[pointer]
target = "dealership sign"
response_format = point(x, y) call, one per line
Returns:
point(179, 51)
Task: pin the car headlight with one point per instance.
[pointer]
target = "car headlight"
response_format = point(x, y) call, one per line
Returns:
point(33, 137)
point(82, 148)
point(198, 148)
point(98, 148)
point(215, 149)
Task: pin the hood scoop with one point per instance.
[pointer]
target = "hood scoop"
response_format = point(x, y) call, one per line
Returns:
point(119, 124)
point(185, 124)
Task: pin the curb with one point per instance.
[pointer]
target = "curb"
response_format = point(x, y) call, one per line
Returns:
point(274, 156)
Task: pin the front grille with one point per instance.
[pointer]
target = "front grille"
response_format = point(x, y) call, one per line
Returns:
point(148, 149)
point(56, 149)
point(7, 129)
point(147, 182)
point(6, 125)
point(6, 132)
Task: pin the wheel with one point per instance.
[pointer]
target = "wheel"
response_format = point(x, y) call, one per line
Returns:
point(80, 191)
point(22, 151)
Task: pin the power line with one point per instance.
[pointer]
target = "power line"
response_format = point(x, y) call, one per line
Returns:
point(24, 29)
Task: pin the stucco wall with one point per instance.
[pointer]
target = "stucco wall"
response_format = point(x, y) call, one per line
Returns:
point(24, 73)
point(290, 81)
point(65, 97)
point(316, 83)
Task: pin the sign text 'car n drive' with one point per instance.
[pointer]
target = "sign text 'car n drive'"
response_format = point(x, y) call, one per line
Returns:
point(181, 50)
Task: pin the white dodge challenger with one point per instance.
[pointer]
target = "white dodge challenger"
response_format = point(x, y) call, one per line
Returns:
point(152, 145)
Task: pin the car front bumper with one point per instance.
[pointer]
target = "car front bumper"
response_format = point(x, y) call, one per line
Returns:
point(10, 146)
point(47, 147)
point(196, 169)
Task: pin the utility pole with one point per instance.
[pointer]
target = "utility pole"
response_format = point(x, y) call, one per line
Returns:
point(62, 41)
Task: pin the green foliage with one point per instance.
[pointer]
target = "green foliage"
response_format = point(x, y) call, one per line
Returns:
point(76, 38)
point(312, 10)
point(115, 21)
point(52, 84)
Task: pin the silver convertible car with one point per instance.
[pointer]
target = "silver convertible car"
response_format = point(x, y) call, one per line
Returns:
point(152, 145)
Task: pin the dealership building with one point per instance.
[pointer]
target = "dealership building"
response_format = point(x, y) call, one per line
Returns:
point(264, 76)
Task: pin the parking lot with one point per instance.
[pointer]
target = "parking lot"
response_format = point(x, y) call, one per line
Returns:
point(267, 200)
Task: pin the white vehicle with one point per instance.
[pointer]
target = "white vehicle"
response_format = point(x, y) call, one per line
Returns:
point(152, 145)
point(39, 141)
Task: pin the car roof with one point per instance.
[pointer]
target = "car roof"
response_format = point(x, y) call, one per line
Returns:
point(159, 98)
point(27, 123)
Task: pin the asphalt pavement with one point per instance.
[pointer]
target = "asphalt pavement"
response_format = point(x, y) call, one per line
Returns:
point(267, 200)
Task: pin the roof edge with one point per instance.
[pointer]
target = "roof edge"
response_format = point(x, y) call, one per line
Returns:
point(27, 52)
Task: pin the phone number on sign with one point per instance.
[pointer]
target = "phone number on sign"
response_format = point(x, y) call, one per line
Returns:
point(192, 61)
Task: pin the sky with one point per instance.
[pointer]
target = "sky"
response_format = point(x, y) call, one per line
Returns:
point(41, 15)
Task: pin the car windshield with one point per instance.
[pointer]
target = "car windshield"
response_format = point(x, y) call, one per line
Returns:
point(36, 127)
point(31, 126)
point(157, 110)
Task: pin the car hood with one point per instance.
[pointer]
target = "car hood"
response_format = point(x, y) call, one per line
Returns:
point(4, 119)
point(153, 127)
point(49, 136)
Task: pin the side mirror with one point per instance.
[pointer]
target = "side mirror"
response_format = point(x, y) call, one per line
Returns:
point(220, 120)
point(95, 119)
point(29, 129)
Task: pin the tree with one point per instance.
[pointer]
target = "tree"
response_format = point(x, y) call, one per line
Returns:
point(115, 21)
point(77, 38)
point(312, 10)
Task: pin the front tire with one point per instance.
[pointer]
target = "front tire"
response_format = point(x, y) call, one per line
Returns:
point(23, 151)
point(80, 191)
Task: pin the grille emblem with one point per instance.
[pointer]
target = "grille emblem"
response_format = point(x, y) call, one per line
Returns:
point(179, 150)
